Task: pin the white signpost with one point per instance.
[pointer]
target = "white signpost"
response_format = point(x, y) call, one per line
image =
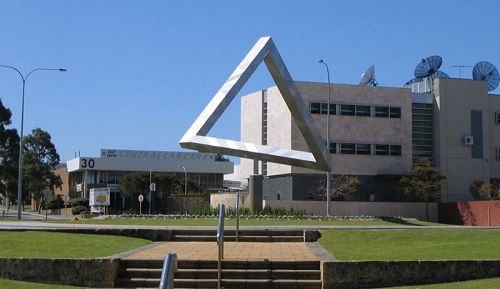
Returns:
point(65, 199)
point(141, 199)
point(99, 199)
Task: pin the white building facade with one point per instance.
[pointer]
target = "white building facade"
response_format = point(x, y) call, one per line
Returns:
point(377, 134)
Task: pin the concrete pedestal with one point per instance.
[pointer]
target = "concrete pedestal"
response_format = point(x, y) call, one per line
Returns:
point(256, 193)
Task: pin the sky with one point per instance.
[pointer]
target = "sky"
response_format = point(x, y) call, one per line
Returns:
point(140, 72)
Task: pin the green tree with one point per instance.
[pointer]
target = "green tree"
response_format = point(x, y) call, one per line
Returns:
point(166, 185)
point(40, 159)
point(340, 186)
point(422, 184)
point(482, 191)
point(9, 155)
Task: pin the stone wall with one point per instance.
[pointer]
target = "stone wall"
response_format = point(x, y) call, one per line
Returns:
point(374, 274)
point(228, 199)
point(80, 272)
point(401, 209)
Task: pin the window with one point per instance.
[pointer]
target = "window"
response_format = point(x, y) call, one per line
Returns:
point(382, 150)
point(381, 111)
point(497, 117)
point(347, 109)
point(395, 112)
point(395, 150)
point(324, 108)
point(363, 149)
point(333, 148)
point(315, 107)
point(347, 148)
point(362, 110)
point(498, 154)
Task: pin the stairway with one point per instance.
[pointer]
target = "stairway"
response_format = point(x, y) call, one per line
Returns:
point(243, 236)
point(235, 274)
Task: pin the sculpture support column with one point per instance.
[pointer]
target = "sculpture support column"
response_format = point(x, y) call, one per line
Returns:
point(256, 193)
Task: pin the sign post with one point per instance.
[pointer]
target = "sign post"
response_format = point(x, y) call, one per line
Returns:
point(141, 199)
point(65, 198)
point(99, 199)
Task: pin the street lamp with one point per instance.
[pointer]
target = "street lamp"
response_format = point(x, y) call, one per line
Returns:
point(185, 179)
point(20, 173)
point(185, 185)
point(328, 173)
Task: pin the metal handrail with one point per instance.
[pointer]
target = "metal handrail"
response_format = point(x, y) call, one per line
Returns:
point(167, 273)
point(220, 244)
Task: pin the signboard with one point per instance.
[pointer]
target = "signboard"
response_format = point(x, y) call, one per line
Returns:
point(152, 187)
point(141, 198)
point(99, 197)
point(149, 155)
point(79, 187)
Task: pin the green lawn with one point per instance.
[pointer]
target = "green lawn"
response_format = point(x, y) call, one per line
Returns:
point(246, 222)
point(64, 245)
point(9, 284)
point(475, 284)
point(452, 244)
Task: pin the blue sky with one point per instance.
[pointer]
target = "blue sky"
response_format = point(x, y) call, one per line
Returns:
point(140, 72)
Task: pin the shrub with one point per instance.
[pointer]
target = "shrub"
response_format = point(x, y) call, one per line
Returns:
point(269, 212)
point(79, 210)
point(53, 202)
point(77, 202)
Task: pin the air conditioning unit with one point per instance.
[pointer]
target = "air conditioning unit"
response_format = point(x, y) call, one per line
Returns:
point(469, 140)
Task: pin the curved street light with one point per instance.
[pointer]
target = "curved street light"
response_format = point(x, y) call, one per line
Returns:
point(185, 182)
point(20, 171)
point(328, 173)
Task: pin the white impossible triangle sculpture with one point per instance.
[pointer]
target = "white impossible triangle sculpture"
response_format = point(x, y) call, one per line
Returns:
point(264, 50)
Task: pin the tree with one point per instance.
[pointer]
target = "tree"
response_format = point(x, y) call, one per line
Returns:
point(40, 160)
point(423, 183)
point(481, 191)
point(166, 184)
point(9, 155)
point(340, 186)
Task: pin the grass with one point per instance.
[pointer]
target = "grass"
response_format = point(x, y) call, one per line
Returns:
point(9, 284)
point(474, 284)
point(64, 245)
point(246, 222)
point(450, 244)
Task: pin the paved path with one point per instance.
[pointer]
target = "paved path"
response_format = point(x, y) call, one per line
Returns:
point(276, 251)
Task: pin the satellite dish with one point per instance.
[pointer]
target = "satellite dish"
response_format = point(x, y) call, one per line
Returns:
point(414, 80)
point(428, 66)
point(440, 74)
point(368, 78)
point(484, 70)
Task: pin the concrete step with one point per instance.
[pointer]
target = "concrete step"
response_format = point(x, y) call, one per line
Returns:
point(236, 274)
point(241, 232)
point(203, 238)
point(137, 282)
point(253, 274)
point(249, 264)
point(226, 283)
point(227, 273)
point(243, 235)
point(244, 283)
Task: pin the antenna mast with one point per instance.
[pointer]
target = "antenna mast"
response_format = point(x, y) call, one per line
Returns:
point(460, 68)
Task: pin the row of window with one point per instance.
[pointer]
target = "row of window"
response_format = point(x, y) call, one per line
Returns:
point(497, 117)
point(355, 109)
point(365, 149)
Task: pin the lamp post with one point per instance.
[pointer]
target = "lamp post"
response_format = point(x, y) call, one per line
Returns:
point(185, 181)
point(20, 173)
point(328, 173)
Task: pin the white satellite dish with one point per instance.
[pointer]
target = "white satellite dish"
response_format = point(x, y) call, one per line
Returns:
point(368, 78)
